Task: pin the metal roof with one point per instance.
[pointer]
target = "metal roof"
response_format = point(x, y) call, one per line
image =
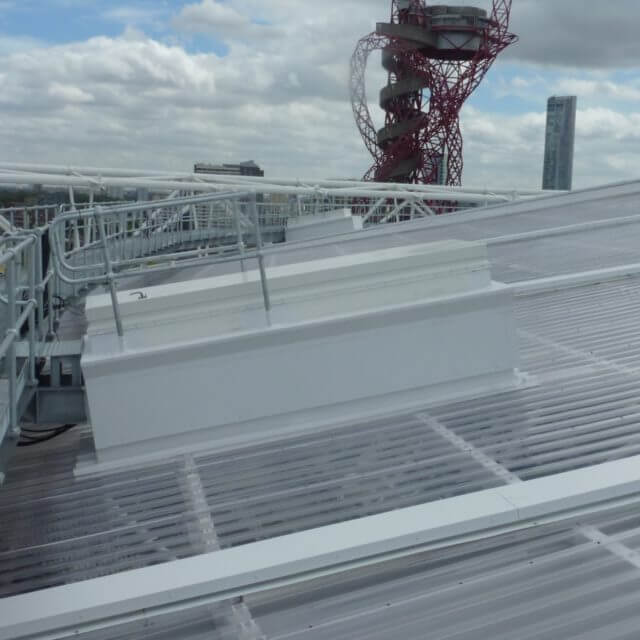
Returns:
point(532, 239)
point(577, 406)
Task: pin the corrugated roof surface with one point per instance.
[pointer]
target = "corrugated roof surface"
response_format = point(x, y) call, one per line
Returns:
point(545, 584)
point(579, 406)
point(548, 584)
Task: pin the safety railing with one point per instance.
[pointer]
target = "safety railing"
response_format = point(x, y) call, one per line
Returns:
point(78, 206)
point(101, 246)
point(28, 310)
point(30, 217)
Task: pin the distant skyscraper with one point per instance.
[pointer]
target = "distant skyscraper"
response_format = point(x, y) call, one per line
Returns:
point(559, 143)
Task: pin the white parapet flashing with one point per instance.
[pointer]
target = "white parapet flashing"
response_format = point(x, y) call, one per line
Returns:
point(350, 337)
point(311, 227)
point(300, 291)
point(65, 611)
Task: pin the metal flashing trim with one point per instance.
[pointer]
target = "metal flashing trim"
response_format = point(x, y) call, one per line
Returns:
point(570, 229)
point(65, 611)
point(108, 354)
point(581, 279)
point(549, 199)
point(428, 264)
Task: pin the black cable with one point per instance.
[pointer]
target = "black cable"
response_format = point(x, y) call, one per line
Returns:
point(46, 435)
point(66, 304)
point(40, 431)
point(30, 441)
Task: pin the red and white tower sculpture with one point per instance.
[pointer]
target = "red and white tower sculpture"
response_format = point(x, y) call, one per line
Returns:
point(436, 56)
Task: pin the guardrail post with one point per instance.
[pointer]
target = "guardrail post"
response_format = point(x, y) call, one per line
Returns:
point(11, 354)
point(32, 313)
point(109, 271)
point(253, 208)
point(51, 293)
point(236, 217)
point(40, 288)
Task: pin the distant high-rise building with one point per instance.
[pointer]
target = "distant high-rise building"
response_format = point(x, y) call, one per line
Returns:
point(443, 161)
point(249, 168)
point(559, 143)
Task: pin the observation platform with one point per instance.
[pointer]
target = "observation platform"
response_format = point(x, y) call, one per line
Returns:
point(448, 34)
point(442, 32)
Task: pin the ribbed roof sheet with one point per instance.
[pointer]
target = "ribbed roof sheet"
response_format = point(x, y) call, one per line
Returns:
point(578, 406)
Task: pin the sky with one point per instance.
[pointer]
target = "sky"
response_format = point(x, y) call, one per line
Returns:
point(161, 84)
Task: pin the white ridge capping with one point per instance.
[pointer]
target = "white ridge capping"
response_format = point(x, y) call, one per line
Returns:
point(310, 227)
point(307, 290)
point(311, 219)
point(136, 595)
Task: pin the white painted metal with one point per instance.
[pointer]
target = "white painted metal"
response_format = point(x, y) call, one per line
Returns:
point(66, 611)
point(311, 227)
point(300, 292)
point(353, 317)
point(5, 225)
point(313, 183)
point(203, 187)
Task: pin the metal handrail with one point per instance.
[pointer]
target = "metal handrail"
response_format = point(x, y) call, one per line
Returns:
point(125, 241)
point(30, 217)
point(14, 248)
point(106, 231)
point(105, 244)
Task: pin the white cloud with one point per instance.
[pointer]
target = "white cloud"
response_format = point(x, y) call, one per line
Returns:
point(69, 94)
point(214, 18)
point(280, 99)
point(601, 89)
point(501, 149)
point(135, 101)
point(576, 33)
point(137, 16)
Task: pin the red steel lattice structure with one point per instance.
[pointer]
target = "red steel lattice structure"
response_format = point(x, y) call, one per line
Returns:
point(436, 57)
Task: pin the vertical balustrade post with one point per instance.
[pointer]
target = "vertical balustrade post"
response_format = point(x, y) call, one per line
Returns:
point(33, 263)
point(11, 354)
point(263, 274)
point(40, 288)
point(236, 217)
point(110, 275)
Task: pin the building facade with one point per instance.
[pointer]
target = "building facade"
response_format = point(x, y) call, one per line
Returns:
point(559, 143)
point(249, 168)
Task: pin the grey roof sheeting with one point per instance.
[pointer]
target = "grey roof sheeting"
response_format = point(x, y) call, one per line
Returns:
point(578, 406)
